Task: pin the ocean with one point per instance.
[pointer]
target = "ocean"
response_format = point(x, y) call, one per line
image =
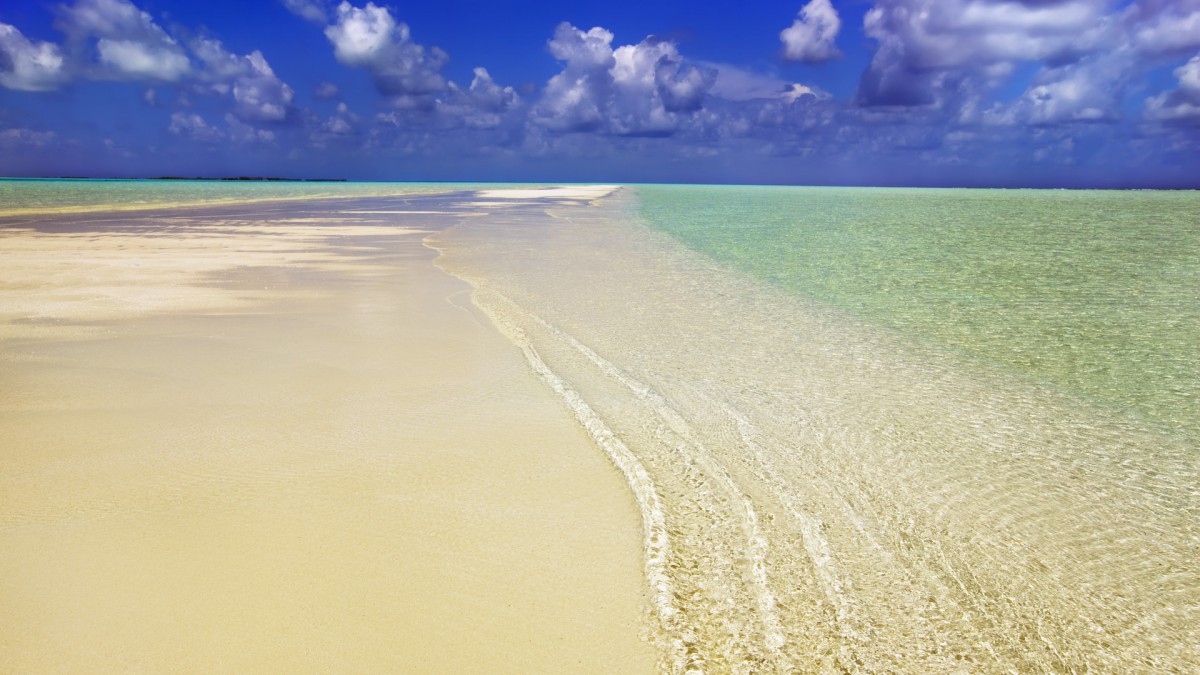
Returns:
point(1093, 293)
point(881, 430)
point(65, 195)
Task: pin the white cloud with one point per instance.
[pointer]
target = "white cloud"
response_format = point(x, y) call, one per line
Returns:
point(928, 48)
point(259, 95)
point(637, 106)
point(129, 43)
point(26, 65)
point(1070, 94)
point(1104, 59)
point(738, 84)
point(1088, 90)
point(326, 90)
point(245, 133)
point(633, 90)
point(1181, 104)
point(575, 98)
point(811, 36)
point(342, 128)
point(798, 91)
point(107, 18)
point(682, 88)
point(360, 36)
point(370, 37)
point(483, 104)
point(14, 138)
point(134, 60)
point(1160, 27)
point(313, 10)
point(580, 49)
point(220, 65)
point(193, 126)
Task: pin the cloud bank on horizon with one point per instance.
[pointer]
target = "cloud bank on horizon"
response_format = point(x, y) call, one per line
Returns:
point(904, 92)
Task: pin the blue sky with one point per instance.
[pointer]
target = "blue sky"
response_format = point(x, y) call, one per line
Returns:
point(1062, 93)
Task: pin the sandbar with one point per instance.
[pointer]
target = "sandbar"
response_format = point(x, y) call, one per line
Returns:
point(278, 438)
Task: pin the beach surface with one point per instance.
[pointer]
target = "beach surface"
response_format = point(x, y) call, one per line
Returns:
point(277, 438)
point(522, 430)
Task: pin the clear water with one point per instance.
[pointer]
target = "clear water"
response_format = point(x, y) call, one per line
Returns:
point(876, 430)
point(25, 195)
point(840, 471)
point(1094, 292)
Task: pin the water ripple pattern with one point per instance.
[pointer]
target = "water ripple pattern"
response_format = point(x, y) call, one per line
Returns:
point(825, 493)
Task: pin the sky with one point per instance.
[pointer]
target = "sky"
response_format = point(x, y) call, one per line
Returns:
point(989, 93)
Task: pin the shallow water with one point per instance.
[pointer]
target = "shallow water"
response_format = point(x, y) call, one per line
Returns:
point(34, 195)
point(825, 490)
point(1093, 292)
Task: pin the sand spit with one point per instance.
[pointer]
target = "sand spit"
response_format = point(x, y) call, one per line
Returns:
point(252, 439)
point(574, 192)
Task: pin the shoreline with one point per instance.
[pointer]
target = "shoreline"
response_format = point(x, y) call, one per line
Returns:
point(836, 495)
point(292, 443)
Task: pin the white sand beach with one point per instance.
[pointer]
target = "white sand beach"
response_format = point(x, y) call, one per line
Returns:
point(279, 439)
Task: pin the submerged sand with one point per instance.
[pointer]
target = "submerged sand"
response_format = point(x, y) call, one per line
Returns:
point(279, 438)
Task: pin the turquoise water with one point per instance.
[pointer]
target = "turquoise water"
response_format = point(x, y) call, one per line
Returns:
point(953, 434)
point(1096, 293)
point(23, 194)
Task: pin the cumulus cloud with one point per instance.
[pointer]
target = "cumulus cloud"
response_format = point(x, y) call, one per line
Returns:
point(954, 54)
point(192, 125)
point(1086, 91)
point(738, 84)
point(811, 36)
point(681, 87)
point(361, 36)
point(326, 90)
point(313, 10)
point(633, 90)
point(926, 48)
point(1180, 105)
point(109, 18)
point(25, 138)
point(370, 37)
point(574, 99)
point(27, 65)
point(638, 105)
point(134, 60)
point(259, 95)
point(245, 133)
point(482, 105)
point(1165, 26)
point(129, 44)
point(220, 66)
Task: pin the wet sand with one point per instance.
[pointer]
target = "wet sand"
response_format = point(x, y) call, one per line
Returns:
point(277, 438)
